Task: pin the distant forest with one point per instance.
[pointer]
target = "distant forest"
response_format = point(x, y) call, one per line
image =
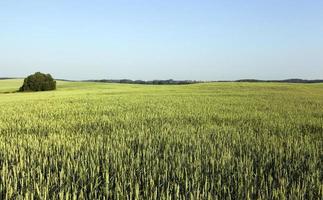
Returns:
point(179, 82)
point(182, 82)
point(153, 82)
point(283, 81)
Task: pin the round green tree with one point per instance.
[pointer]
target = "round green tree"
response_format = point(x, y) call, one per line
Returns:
point(38, 82)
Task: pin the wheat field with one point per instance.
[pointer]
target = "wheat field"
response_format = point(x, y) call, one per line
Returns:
point(200, 141)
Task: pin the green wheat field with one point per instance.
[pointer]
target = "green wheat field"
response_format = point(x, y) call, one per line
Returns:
point(201, 141)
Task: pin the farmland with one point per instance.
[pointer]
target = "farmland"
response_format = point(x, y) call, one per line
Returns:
point(200, 141)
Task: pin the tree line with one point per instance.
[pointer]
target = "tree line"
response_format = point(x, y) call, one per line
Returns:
point(152, 82)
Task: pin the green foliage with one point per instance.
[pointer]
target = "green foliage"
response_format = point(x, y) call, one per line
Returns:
point(38, 82)
point(203, 141)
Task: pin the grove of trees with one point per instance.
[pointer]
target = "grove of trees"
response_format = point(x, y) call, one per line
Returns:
point(38, 82)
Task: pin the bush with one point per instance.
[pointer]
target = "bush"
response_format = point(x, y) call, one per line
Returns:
point(38, 82)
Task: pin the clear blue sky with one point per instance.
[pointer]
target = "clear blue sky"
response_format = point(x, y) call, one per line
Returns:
point(150, 39)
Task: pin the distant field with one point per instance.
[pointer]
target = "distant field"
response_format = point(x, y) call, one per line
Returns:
point(200, 141)
point(10, 85)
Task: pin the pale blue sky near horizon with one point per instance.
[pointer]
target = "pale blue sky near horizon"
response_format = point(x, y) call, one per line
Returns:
point(162, 39)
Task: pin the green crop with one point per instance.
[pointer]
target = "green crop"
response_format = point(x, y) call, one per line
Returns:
point(201, 141)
